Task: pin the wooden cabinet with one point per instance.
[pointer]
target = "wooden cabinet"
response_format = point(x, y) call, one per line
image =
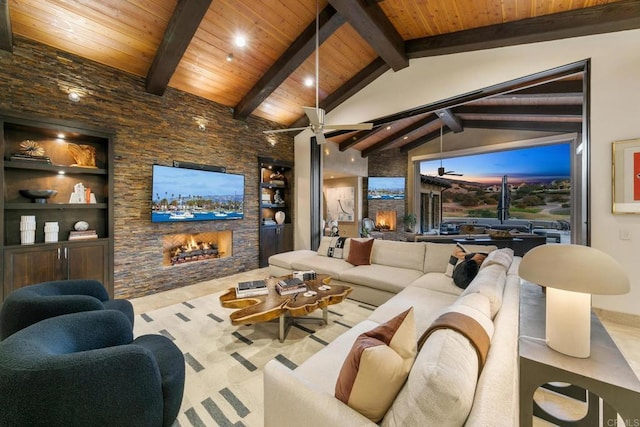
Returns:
point(63, 155)
point(29, 264)
point(276, 195)
point(274, 240)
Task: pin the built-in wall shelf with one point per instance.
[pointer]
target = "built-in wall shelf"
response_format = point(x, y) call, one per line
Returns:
point(47, 206)
point(44, 154)
point(67, 170)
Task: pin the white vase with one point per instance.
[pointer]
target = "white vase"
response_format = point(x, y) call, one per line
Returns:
point(280, 217)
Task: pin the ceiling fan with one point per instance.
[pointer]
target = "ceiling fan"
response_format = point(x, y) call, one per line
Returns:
point(316, 114)
point(441, 170)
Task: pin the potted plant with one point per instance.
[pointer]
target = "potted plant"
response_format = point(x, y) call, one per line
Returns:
point(409, 222)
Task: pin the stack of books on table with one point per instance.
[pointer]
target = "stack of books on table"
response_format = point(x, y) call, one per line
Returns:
point(252, 288)
point(84, 234)
point(290, 286)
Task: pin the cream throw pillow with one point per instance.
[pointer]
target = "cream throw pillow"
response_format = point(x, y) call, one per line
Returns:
point(377, 366)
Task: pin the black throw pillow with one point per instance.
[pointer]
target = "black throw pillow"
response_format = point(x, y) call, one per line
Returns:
point(465, 271)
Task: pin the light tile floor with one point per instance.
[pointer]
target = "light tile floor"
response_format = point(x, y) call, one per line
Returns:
point(626, 337)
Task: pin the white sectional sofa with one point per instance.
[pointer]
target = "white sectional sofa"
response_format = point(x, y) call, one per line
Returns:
point(446, 386)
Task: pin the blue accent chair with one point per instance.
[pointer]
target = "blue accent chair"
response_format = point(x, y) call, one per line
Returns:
point(85, 369)
point(30, 304)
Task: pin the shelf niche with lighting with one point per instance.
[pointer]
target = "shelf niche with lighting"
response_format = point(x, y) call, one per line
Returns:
point(54, 169)
point(276, 177)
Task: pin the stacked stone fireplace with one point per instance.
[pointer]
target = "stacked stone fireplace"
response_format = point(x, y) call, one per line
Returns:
point(185, 248)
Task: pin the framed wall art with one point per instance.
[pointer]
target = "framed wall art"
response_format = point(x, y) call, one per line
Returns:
point(626, 176)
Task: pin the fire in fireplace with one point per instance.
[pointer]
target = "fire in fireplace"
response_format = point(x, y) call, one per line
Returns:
point(184, 248)
point(194, 251)
point(386, 220)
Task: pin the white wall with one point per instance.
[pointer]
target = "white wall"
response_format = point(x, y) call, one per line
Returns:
point(615, 100)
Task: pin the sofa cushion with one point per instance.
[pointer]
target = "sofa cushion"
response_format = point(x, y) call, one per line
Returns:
point(322, 265)
point(441, 385)
point(503, 257)
point(377, 366)
point(360, 252)
point(437, 255)
point(437, 282)
point(398, 254)
point(285, 259)
point(490, 282)
point(428, 306)
point(469, 316)
point(383, 277)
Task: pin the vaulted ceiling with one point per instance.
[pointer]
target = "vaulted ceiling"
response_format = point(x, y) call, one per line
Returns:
point(190, 45)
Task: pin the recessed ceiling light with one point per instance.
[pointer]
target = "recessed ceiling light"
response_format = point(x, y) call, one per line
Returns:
point(388, 127)
point(240, 41)
point(74, 96)
point(61, 135)
point(405, 138)
point(230, 57)
point(308, 82)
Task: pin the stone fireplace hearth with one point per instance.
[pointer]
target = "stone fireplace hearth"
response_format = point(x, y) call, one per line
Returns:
point(186, 248)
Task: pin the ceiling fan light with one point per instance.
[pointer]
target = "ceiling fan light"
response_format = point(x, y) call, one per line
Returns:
point(308, 82)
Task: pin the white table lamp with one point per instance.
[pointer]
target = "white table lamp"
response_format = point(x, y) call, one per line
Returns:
point(571, 273)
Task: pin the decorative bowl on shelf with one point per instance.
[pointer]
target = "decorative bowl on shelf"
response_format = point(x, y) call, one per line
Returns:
point(499, 234)
point(38, 196)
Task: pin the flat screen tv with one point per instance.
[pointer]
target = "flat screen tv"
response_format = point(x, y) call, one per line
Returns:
point(385, 188)
point(181, 194)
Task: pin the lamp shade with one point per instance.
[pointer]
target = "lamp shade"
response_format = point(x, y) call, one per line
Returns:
point(574, 268)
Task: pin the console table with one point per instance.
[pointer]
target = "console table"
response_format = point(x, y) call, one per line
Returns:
point(605, 374)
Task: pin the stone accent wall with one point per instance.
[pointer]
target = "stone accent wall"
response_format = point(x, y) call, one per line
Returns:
point(390, 162)
point(149, 129)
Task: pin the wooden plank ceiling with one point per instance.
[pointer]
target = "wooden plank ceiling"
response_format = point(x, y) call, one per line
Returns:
point(190, 45)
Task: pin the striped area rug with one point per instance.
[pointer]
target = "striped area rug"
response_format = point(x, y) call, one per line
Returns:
point(224, 362)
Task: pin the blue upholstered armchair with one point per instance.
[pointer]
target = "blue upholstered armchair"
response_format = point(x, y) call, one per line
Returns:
point(85, 369)
point(30, 304)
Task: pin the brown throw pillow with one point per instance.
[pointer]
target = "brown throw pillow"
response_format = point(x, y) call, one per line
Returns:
point(377, 366)
point(360, 252)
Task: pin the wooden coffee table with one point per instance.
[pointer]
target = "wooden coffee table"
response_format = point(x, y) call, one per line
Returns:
point(285, 308)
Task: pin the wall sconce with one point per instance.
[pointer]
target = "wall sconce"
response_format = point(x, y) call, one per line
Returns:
point(201, 122)
point(578, 272)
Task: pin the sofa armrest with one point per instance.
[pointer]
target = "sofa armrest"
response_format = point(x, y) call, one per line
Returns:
point(292, 401)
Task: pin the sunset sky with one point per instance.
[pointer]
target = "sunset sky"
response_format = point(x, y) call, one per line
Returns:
point(527, 164)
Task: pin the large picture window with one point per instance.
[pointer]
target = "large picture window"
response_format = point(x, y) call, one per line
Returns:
point(528, 189)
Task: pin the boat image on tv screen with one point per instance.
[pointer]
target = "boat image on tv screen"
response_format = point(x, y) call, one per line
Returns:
point(181, 194)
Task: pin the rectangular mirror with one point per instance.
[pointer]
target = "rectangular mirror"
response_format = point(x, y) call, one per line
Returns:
point(626, 176)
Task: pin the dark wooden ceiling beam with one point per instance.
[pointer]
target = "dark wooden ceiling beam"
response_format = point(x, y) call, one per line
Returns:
point(618, 16)
point(540, 126)
point(372, 24)
point(6, 36)
point(558, 88)
point(360, 136)
point(399, 134)
point(365, 76)
point(526, 110)
point(452, 121)
point(424, 139)
point(290, 60)
point(182, 26)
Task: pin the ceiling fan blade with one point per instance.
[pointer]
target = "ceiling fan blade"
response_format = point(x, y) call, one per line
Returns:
point(316, 115)
point(359, 126)
point(268, 132)
point(320, 139)
point(453, 173)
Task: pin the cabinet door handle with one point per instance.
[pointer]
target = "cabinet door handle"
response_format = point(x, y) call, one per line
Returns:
point(58, 253)
point(66, 253)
